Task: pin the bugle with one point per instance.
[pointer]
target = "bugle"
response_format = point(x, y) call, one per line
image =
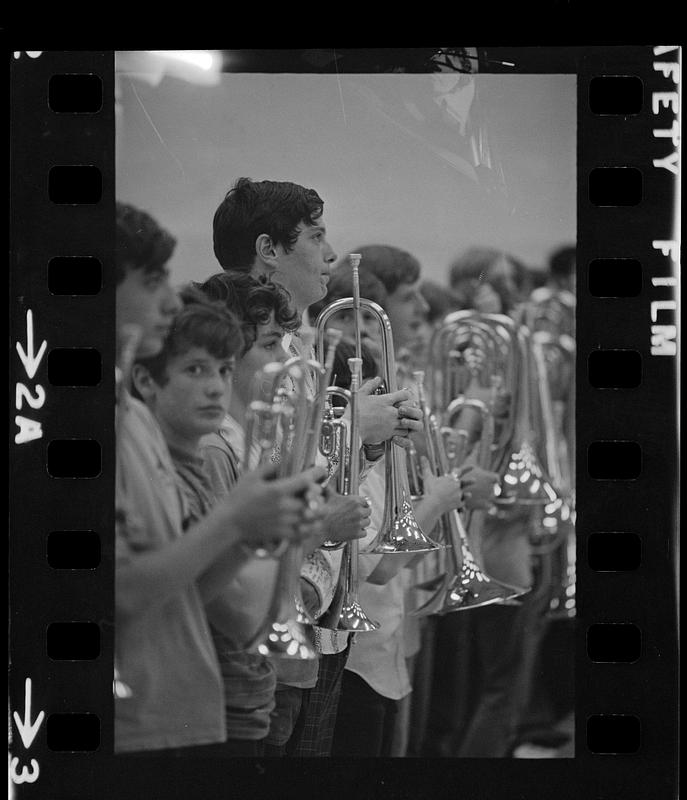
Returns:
point(345, 612)
point(399, 531)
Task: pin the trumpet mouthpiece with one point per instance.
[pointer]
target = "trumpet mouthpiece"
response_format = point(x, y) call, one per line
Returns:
point(355, 365)
point(355, 259)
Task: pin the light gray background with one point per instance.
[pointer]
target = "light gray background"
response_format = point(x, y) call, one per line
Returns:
point(383, 175)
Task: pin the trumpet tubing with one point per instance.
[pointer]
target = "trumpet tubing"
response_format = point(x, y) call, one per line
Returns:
point(399, 531)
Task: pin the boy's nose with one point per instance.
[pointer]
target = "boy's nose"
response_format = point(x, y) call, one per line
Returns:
point(215, 386)
point(171, 302)
point(330, 256)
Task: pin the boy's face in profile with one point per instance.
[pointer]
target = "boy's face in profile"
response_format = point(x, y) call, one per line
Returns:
point(146, 299)
point(196, 396)
point(304, 270)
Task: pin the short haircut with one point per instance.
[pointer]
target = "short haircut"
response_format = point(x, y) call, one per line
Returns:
point(391, 265)
point(251, 299)
point(440, 299)
point(251, 208)
point(140, 243)
point(562, 261)
point(341, 285)
point(200, 323)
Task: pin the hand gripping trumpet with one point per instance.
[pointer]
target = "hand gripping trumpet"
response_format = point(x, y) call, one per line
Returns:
point(399, 532)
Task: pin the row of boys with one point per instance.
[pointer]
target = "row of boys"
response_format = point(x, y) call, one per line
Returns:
point(189, 590)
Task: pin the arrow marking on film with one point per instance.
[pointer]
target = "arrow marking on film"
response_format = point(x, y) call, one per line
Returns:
point(27, 729)
point(28, 358)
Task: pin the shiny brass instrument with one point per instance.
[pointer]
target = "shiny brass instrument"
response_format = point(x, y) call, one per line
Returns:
point(550, 315)
point(345, 612)
point(472, 349)
point(555, 359)
point(466, 585)
point(399, 532)
point(282, 634)
point(297, 414)
point(552, 445)
point(494, 351)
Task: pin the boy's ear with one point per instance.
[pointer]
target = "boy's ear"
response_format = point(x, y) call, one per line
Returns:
point(266, 253)
point(143, 382)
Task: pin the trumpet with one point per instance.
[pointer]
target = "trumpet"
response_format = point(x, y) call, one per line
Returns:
point(467, 586)
point(282, 634)
point(345, 612)
point(550, 315)
point(297, 416)
point(399, 532)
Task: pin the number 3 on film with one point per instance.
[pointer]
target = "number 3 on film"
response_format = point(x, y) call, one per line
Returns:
point(24, 776)
point(29, 429)
point(27, 730)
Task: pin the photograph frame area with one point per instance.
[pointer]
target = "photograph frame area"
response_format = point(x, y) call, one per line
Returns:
point(610, 703)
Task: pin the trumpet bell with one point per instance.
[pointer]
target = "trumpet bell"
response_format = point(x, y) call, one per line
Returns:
point(524, 482)
point(555, 515)
point(354, 619)
point(472, 588)
point(287, 640)
point(402, 534)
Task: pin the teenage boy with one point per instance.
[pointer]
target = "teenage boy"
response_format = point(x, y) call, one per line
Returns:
point(265, 314)
point(169, 692)
point(277, 229)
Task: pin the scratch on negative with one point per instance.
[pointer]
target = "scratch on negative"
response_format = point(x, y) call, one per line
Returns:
point(338, 80)
point(159, 136)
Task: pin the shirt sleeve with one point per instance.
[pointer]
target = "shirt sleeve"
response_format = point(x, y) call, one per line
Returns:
point(219, 469)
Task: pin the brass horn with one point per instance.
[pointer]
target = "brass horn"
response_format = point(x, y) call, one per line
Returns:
point(468, 586)
point(282, 635)
point(399, 532)
point(345, 612)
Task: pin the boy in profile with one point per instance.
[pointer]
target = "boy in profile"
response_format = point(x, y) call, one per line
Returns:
point(169, 694)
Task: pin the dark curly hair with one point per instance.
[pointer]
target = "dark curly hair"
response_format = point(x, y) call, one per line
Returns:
point(252, 299)
point(140, 243)
point(251, 208)
point(200, 323)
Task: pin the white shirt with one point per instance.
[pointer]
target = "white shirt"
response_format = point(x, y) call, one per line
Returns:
point(378, 657)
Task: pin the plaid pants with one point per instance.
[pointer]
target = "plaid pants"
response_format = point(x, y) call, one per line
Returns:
point(314, 730)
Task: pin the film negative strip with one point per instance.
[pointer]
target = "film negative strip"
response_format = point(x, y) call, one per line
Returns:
point(62, 465)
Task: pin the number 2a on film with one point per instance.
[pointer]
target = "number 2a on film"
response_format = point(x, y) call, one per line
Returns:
point(31, 396)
